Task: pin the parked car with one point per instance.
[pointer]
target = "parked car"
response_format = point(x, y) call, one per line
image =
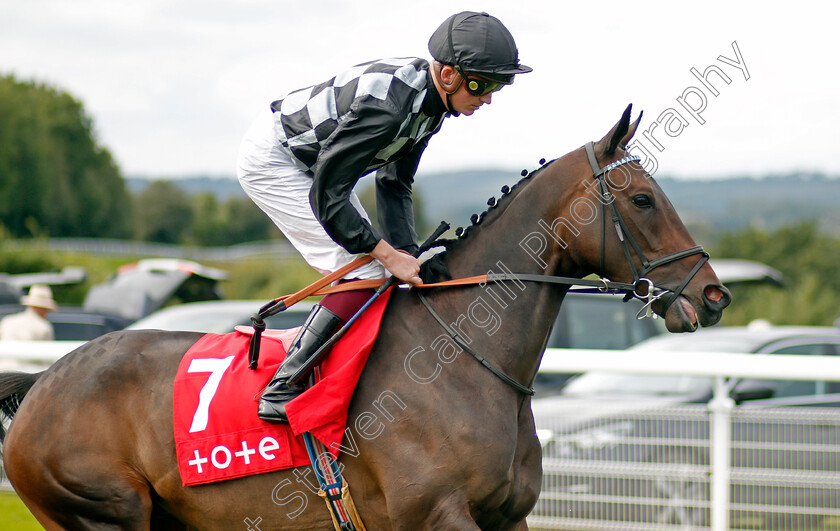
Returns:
point(219, 316)
point(132, 292)
point(140, 288)
point(71, 323)
point(601, 321)
point(13, 286)
point(733, 271)
point(634, 448)
point(604, 321)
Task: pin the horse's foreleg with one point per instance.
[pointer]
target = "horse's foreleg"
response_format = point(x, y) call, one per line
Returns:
point(450, 513)
point(450, 516)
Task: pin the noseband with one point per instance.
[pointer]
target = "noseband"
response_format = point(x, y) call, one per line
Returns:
point(644, 288)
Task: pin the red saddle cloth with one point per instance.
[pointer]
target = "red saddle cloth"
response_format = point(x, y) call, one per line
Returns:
point(218, 435)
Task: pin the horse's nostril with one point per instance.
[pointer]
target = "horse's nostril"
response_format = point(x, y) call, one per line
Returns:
point(713, 294)
point(716, 297)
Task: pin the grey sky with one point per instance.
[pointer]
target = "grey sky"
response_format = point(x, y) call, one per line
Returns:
point(173, 84)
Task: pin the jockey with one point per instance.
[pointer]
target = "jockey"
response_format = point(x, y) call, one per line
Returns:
point(300, 162)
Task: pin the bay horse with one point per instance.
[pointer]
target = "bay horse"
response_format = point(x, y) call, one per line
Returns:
point(434, 440)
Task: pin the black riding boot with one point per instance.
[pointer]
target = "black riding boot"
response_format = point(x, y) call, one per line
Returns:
point(287, 382)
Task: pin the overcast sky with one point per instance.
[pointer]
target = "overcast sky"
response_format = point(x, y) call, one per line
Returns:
point(172, 85)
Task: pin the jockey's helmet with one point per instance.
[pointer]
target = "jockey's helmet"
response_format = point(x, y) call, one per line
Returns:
point(478, 43)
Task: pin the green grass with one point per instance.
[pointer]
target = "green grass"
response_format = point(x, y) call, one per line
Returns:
point(14, 516)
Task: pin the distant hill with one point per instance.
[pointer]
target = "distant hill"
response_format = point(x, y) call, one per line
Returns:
point(719, 205)
point(221, 187)
point(769, 202)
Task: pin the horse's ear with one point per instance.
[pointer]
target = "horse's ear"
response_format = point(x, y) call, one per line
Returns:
point(630, 132)
point(622, 132)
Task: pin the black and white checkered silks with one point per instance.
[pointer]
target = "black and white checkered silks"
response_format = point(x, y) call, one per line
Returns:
point(363, 119)
point(306, 118)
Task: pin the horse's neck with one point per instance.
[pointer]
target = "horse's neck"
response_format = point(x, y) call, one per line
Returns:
point(503, 233)
point(524, 311)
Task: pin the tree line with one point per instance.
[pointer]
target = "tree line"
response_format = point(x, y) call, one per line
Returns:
point(806, 256)
point(57, 181)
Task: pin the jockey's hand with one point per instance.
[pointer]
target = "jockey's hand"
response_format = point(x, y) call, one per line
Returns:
point(400, 264)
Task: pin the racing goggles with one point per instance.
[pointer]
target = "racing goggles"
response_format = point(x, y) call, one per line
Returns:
point(479, 86)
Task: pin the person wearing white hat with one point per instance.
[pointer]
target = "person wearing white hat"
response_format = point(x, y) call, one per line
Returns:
point(31, 324)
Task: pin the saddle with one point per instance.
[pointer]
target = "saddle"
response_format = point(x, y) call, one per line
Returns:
point(218, 435)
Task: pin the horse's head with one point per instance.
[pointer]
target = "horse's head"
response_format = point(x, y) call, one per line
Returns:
point(630, 232)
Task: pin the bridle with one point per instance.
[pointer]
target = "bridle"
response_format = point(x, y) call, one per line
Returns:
point(644, 288)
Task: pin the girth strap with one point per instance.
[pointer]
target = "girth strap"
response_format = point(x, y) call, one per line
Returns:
point(481, 359)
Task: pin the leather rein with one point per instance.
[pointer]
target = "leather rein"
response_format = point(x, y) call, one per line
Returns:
point(642, 287)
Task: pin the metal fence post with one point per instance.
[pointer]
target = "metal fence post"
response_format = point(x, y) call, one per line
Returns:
point(720, 408)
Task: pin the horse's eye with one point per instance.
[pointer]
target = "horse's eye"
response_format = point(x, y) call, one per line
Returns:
point(643, 201)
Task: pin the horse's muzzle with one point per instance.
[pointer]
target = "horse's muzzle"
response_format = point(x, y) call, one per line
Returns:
point(686, 312)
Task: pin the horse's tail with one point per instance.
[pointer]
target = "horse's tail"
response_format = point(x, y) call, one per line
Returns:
point(13, 387)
